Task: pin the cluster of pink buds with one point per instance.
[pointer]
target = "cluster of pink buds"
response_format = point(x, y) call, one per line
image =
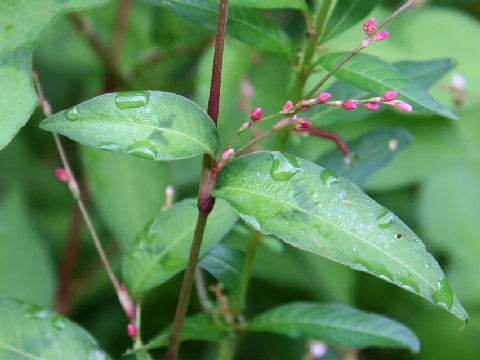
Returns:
point(369, 28)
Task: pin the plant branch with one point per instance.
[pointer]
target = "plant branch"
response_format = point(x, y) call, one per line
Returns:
point(255, 239)
point(332, 136)
point(120, 27)
point(202, 290)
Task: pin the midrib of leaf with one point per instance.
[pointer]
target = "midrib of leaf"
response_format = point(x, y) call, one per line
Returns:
point(337, 25)
point(19, 351)
point(236, 19)
point(333, 224)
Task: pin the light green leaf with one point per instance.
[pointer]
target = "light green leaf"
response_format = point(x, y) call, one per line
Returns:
point(336, 325)
point(127, 191)
point(32, 332)
point(426, 72)
point(153, 125)
point(161, 250)
point(267, 4)
point(372, 74)
point(346, 14)
point(370, 153)
point(195, 327)
point(312, 209)
point(23, 23)
point(247, 25)
point(26, 272)
point(225, 263)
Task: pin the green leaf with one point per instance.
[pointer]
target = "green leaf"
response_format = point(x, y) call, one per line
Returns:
point(153, 125)
point(372, 74)
point(267, 4)
point(225, 263)
point(32, 332)
point(161, 250)
point(336, 325)
point(346, 14)
point(127, 191)
point(314, 210)
point(247, 25)
point(425, 72)
point(26, 272)
point(23, 23)
point(195, 327)
point(370, 153)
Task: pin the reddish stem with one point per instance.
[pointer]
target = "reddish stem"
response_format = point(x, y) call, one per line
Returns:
point(332, 136)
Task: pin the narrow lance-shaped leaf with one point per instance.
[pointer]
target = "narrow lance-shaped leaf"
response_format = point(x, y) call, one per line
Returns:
point(267, 4)
point(32, 332)
point(346, 14)
point(161, 250)
point(153, 125)
point(23, 23)
point(376, 76)
point(370, 153)
point(247, 25)
point(336, 325)
point(315, 210)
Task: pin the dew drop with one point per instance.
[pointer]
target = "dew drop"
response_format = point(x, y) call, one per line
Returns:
point(250, 220)
point(143, 149)
point(109, 146)
point(284, 166)
point(96, 355)
point(72, 114)
point(132, 99)
point(329, 177)
point(444, 295)
point(59, 323)
point(36, 312)
point(385, 219)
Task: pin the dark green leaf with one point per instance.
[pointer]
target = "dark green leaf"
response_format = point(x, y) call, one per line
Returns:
point(225, 263)
point(161, 250)
point(196, 327)
point(372, 74)
point(153, 125)
point(370, 153)
point(32, 332)
point(336, 325)
point(23, 22)
point(426, 72)
point(267, 4)
point(26, 272)
point(346, 14)
point(247, 25)
point(314, 210)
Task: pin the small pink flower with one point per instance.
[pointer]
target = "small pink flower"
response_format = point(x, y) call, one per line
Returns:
point(405, 107)
point(303, 124)
point(288, 105)
point(349, 105)
point(123, 288)
point(245, 126)
point(306, 107)
point(371, 105)
point(369, 26)
point(132, 331)
point(365, 42)
point(389, 95)
point(256, 114)
point(383, 34)
point(322, 97)
point(62, 175)
point(169, 190)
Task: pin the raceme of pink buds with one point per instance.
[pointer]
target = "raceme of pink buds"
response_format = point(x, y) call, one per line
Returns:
point(303, 124)
point(389, 95)
point(349, 105)
point(369, 26)
point(288, 105)
point(405, 107)
point(256, 114)
point(371, 105)
point(306, 107)
point(322, 97)
point(62, 175)
point(383, 34)
point(132, 331)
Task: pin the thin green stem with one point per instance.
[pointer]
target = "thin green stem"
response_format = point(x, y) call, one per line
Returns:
point(226, 349)
point(255, 239)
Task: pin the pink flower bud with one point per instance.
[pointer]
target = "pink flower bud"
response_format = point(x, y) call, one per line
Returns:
point(245, 126)
point(389, 95)
point(322, 97)
point(306, 107)
point(365, 42)
point(123, 288)
point(405, 107)
point(247, 89)
point(288, 105)
point(169, 190)
point(303, 124)
point(349, 105)
point(371, 105)
point(380, 35)
point(369, 26)
point(256, 114)
point(62, 175)
point(132, 331)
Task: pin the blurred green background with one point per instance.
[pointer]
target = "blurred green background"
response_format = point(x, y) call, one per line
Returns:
point(434, 185)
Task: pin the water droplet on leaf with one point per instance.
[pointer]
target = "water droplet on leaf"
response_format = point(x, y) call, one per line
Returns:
point(72, 114)
point(132, 99)
point(109, 146)
point(143, 149)
point(284, 166)
point(329, 177)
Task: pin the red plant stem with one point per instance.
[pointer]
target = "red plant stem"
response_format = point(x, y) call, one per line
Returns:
point(120, 27)
point(332, 136)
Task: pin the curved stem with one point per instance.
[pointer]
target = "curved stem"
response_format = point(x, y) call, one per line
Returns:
point(255, 239)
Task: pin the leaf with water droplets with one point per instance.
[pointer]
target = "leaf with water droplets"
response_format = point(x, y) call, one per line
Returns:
point(317, 211)
point(22, 24)
point(336, 325)
point(161, 250)
point(152, 125)
point(31, 332)
point(266, 4)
